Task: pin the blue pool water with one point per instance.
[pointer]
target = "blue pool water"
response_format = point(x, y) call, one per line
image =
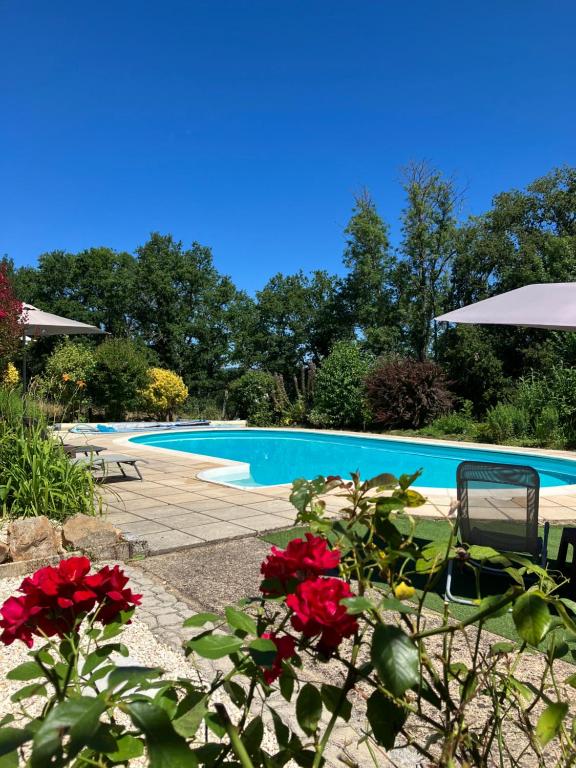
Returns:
point(277, 457)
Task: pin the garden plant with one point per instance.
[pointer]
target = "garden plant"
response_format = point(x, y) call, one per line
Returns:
point(338, 634)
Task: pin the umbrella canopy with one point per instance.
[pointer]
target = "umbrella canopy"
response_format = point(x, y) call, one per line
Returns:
point(540, 305)
point(39, 323)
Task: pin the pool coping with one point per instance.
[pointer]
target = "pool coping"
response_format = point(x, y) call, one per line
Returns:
point(211, 474)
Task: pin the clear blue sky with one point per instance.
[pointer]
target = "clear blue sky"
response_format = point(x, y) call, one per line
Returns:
point(249, 124)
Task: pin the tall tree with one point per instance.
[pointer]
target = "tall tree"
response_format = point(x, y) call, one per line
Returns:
point(183, 309)
point(368, 292)
point(298, 320)
point(427, 251)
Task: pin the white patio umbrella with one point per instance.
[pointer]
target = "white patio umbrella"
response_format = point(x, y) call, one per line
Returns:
point(540, 305)
point(37, 323)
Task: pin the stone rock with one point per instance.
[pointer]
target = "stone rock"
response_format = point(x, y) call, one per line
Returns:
point(33, 538)
point(89, 534)
point(4, 552)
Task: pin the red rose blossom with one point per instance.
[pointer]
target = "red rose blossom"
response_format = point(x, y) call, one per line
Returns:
point(109, 584)
point(317, 611)
point(286, 648)
point(302, 559)
point(56, 599)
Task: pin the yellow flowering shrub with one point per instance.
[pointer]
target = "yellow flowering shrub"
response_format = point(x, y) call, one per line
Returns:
point(165, 392)
point(11, 376)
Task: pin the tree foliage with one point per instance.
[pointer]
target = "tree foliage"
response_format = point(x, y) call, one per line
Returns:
point(193, 320)
point(164, 392)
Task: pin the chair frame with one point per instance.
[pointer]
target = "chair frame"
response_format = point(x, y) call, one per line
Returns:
point(533, 491)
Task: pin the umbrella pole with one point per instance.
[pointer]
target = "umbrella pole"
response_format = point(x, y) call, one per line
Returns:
point(24, 363)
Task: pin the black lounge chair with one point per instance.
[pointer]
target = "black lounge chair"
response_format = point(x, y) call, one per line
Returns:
point(498, 508)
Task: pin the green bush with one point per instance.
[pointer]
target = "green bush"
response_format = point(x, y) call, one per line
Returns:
point(37, 478)
point(547, 428)
point(69, 370)
point(260, 398)
point(121, 372)
point(506, 423)
point(339, 396)
point(457, 423)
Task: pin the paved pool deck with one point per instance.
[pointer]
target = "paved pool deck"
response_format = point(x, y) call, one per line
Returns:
point(172, 508)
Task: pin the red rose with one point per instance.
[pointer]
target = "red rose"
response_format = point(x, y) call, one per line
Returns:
point(56, 599)
point(113, 598)
point(285, 650)
point(16, 613)
point(317, 611)
point(302, 559)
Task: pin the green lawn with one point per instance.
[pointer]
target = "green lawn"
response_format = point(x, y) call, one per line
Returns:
point(438, 530)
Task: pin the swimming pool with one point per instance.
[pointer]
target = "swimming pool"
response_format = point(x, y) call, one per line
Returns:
point(258, 458)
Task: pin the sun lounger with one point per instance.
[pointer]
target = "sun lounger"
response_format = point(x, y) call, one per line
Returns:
point(73, 450)
point(103, 461)
point(135, 426)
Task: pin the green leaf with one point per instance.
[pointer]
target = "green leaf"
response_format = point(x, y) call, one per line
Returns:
point(519, 687)
point(355, 605)
point(191, 712)
point(127, 748)
point(34, 689)
point(308, 708)
point(497, 648)
point(393, 604)
point(29, 670)
point(286, 683)
point(236, 692)
point(252, 736)
point(166, 748)
point(12, 738)
point(281, 730)
point(405, 481)
point(215, 646)
point(200, 619)
point(331, 697)
point(477, 552)
point(531, 617)
point(395, 658)
point(549, 722)
point(100, 655)
point(263, 645)
point(239, 620)
point(386, 719)
point(410, 498)
point(132, 676)
point(385, 480)
point(571, 680)
point(80, 717)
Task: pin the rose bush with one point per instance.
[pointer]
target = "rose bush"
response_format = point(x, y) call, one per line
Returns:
point(435, 682)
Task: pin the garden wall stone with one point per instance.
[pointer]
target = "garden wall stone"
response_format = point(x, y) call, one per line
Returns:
point(33, 538)
point(89, 533)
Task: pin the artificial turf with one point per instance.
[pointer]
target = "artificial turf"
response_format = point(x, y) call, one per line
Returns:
point(439, 530)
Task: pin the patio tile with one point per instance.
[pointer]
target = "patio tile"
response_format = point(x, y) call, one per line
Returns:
point(133, 505)
point(558, 513)
point(230, 512)
point(205, 505)
point(170, 540)
point(262, 522)
point(119, 518)
point(161, 492)
point(186, 520)
point(273, 506)
point(241, 497)
point(185, 497)
point(143, 527)
point(161, 512)
point(220, 530)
